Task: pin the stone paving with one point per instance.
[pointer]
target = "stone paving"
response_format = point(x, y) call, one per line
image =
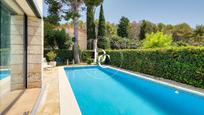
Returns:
point(50, 100)
point(49, 105)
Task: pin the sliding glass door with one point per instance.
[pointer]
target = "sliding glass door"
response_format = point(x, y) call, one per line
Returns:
point(11, 57)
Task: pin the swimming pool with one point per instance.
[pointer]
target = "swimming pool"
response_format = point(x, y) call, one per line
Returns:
point(4, 74)
point(107, 91)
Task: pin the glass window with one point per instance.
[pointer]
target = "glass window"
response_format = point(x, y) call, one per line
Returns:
point(11, 56)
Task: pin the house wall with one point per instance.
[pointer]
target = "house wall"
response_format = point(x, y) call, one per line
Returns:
point(13, 58)
point(17, 52)
point(35, 52)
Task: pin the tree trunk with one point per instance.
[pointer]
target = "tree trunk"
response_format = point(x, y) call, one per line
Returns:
point(95, 48)
point(76, 46)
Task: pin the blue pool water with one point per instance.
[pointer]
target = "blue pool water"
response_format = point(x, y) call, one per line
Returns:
point(106, 91)
point(4, 74)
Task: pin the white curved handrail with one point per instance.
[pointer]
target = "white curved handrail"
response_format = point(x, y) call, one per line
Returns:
point(104, 58)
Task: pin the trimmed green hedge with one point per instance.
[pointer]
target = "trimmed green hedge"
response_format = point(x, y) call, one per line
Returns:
point(62, 55)
point(184, 64)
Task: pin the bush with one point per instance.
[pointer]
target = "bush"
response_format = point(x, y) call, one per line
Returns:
point(104, 43)
point(62, 39)
point(62, 55)
point(57, 39)
point(184, 64)
point(181, 43)
point(157, 40)
point(86, 55)
point(51, 55)
point(89, 61)
point(123, 43)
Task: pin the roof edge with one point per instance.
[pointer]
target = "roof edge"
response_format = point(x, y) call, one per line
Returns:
point(34, 8)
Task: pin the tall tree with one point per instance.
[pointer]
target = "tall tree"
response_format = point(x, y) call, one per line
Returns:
point(54, 8)
point(73, 13)
point(161, 27)
point(123, 27)
point(146, 27)
point(91, 32)
point(102, 23)
point(182, 32)
point(111, 29)
point(134, 30)
point(198, 33)
point(103, 42)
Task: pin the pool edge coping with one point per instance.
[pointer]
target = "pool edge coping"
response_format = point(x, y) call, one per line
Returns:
point(68, 102)
point(166, 82)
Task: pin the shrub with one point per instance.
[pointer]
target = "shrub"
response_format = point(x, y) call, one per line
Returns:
point(51, 55)
point(181, 43)
point(103, 42)
point(62, 39)
point(86, 55)
point(184, 64)
point(62, 54)
point(117, 42)
point(57, 39)
point(155, 40)
point(89, 61)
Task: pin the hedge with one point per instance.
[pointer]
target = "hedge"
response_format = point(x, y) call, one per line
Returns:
point(89, 54)
point(62, 55)
point(184, 64)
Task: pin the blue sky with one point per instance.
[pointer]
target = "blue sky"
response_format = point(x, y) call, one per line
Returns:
point(166, 11)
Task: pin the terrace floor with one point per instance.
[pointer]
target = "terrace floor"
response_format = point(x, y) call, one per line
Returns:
point(49, 103)
point(25, 103)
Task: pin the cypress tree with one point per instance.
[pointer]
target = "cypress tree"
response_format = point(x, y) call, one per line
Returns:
point(123, 27)
point(142, 30)
point(101, 25)
point(103, 42)
point(91, 33)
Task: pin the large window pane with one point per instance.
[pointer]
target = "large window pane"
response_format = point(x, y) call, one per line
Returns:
point(11, 56)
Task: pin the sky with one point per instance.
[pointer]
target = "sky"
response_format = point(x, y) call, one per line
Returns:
point(165, 11)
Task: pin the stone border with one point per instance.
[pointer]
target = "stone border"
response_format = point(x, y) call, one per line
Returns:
point(166, 82)
point(170, 83)
point(38, 101)
point(72, 108)
point(68, 102)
